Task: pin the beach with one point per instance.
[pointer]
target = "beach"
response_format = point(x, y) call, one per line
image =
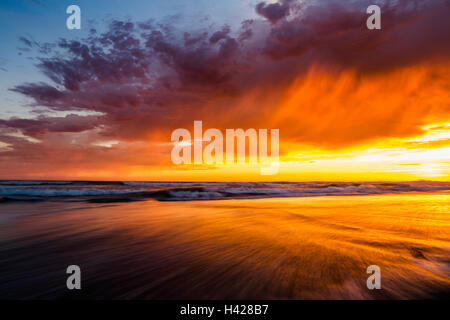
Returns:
point(272, 248)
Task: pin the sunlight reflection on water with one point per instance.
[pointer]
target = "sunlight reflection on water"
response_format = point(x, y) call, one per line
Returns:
point(296, 248)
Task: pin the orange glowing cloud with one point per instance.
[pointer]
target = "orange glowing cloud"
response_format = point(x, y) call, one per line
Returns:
point(350, 104)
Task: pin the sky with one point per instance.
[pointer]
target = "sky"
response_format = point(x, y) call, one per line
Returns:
point(351, 104)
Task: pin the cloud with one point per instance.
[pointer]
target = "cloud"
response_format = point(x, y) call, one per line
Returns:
point(334, 32)
point(312, 69)
point(42, 125)
point(27, 42)
point(274, 11)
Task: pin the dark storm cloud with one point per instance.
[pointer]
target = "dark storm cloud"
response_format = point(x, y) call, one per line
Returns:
point(274, 11)
point(150, 76)
point(335, 33)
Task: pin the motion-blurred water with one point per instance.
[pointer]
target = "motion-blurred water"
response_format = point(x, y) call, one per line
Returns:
point(287, 248)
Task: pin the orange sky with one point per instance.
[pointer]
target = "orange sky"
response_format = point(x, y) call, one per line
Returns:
point(389, 126)
point(350, 105)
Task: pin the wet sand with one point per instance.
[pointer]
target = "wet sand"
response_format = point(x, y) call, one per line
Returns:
point(293, 248)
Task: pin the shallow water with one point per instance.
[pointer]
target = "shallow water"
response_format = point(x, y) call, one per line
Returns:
point(291, 248)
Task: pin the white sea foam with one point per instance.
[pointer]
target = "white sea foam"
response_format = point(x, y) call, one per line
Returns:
point(208, 190)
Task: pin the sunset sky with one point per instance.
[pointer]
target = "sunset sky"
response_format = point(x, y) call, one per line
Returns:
point(351, 104)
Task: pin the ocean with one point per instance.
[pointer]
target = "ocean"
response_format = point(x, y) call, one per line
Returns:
point(162, 240)
point(116, 191)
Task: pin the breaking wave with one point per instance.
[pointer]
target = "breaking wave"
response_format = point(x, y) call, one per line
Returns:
point(111, 191)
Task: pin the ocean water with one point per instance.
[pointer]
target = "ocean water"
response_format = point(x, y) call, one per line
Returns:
point(283, 244)
point(116, 191)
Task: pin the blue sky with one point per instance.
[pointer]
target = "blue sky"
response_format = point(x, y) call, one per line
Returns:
point(45, 21)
